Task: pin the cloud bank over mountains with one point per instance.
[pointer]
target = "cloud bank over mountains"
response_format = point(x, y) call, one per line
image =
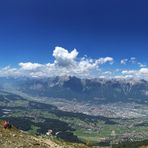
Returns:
point(68, 63)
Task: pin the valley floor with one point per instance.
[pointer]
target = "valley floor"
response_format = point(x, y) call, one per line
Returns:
point(71, 121)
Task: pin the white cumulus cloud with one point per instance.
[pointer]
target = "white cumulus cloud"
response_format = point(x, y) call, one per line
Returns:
point(30, 66)
point(65, 63)
point(124, 61)
point(141, 73)
point(63, 57)
point(144, 71)
point(105, 60)
point(68, 63)
point(132, 60)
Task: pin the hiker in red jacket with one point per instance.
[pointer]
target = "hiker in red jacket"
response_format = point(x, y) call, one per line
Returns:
point(6, 124)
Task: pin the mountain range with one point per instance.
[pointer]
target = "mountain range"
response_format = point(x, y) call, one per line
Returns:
point(67, 87)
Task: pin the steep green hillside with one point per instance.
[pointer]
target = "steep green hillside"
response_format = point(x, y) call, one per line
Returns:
point(13, 138)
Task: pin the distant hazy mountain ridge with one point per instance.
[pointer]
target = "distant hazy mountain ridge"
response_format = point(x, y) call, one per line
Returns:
point(80, 89)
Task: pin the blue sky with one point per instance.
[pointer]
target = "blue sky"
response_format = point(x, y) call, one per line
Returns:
point(31, 29)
